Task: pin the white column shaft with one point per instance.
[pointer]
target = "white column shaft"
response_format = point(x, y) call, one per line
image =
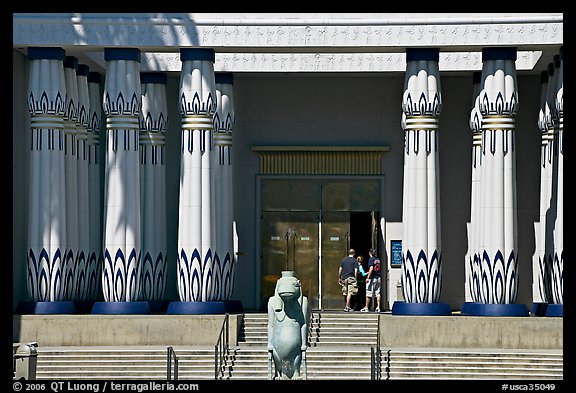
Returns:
point(47, 204)
point(153, 187)
point(498, 105)
point(122, 104)
point(421, 267)
point(196, 214)
point(95, 256)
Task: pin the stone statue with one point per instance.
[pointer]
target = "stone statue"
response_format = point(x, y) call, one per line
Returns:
point(287, 329)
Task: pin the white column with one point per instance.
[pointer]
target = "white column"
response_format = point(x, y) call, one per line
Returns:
point(224, 263)
point(558, 263)
point(47, 206)
point(122, 104)
point(95, 258)
point(421, 104)
point(83, 268)
point(197, 103)
point(153, 122)
point(71, 175)
point(473, 282)
point(542, 258)
point(499, 241)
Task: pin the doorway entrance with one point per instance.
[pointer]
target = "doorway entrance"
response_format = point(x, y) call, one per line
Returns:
point(308, 226)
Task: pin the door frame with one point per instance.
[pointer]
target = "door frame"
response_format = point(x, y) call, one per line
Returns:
point(257, 238)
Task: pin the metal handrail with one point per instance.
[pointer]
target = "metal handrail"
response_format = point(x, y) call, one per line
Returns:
point(388, 364)
point(221, 348)
point(376, 357)
point(171, 355)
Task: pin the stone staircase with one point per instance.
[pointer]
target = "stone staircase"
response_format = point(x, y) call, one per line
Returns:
point(339, 349)
point(349, 335)
point(97, 363)
point(471, 364)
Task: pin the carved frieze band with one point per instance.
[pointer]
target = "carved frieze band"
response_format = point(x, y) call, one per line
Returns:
point(325, 62)
point(180, 32)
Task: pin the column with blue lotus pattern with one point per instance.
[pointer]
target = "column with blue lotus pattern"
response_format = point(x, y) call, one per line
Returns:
point(224, 261)
point(83, 268)
point(71, 177)
point(153, 122)
point(122, 103)
point(421, 248)
point(95, 256)
point(557, 306)
point(472, 289)
point(197, 103)
point(498, 244)
point(543, 255)
point(47, 205)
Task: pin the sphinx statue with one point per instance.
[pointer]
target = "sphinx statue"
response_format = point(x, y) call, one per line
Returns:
point(287, 329)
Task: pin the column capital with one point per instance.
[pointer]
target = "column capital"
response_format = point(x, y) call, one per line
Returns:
point(475, 115)
point(95, 111)
point(197, 82)
point(154, 114)
point(122, 92)
point(422, 96)
point(499, 97)
point(224, 116)
point(47, 89)
point(70, 67)
point(83, 96)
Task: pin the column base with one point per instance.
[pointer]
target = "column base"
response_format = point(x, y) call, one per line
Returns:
point(234, 306)
point(196, 308)
point(158, 306)
point(538, 309)
point(555, 310)
point(44, 308)
point(83, 306)
point(404, 308)
point(121, 308)
point(495, 310)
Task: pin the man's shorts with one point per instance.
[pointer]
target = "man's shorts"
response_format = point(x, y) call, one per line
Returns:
point(349, 285)
point(373, 287)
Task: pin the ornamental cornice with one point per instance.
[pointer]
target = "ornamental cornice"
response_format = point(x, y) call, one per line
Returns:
point(323, 62)
point(386, 32)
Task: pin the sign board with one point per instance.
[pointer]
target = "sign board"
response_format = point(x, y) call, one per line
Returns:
point(396, 259)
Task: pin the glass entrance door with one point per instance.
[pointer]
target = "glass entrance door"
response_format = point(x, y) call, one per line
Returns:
point(335, 245)
point(289, 241)
point(308, 226)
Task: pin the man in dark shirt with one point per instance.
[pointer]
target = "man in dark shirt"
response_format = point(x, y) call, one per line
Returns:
point(373, 281)
point(347, 273)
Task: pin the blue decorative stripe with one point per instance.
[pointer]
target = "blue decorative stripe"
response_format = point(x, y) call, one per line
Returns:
point(197, 54)
point(419, 54)
point(44, 281)
point(40, 53)
point(217, 278)
point(71, 62)
point(224, 78)
point(94, 77)
point(83, 70)
point(153, 284)
point(153, 77)
point(120, 279)
point(121, 106)
point(499, 53)
point(132, 54)
point(421, 281)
